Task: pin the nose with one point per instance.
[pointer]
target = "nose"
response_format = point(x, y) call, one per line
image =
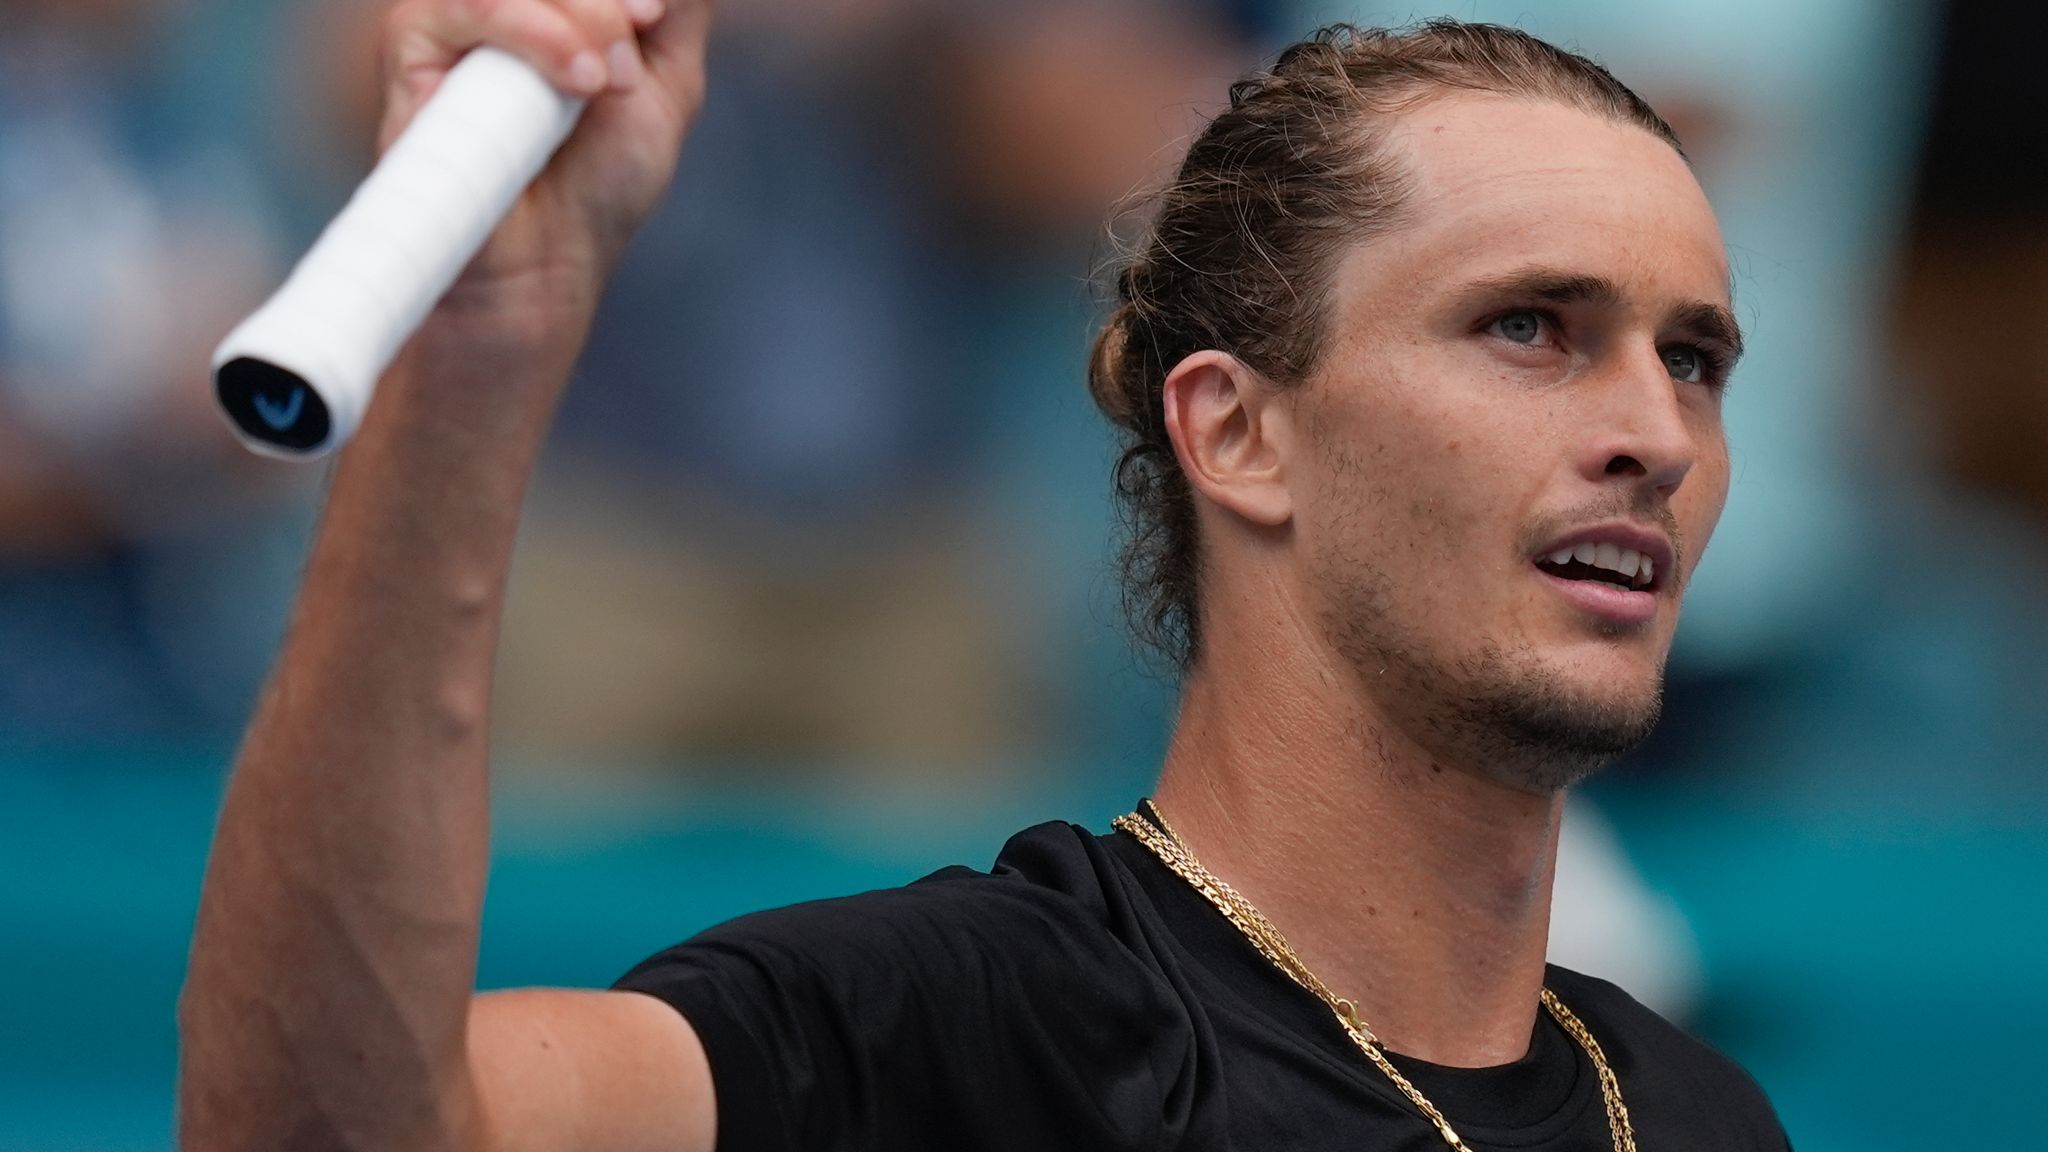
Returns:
point(1640, 430)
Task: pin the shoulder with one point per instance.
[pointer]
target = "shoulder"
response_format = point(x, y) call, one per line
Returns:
point(1045, 918)
point(895, 1010)
point(1048, 878)
point(1672, 1080)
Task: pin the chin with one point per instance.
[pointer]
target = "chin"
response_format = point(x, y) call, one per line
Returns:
point(1542, 728)
point(1615, 668)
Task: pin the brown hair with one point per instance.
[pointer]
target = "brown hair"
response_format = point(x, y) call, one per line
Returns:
point(1240, 247)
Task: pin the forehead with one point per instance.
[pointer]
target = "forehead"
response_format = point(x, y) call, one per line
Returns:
point(1499, 183)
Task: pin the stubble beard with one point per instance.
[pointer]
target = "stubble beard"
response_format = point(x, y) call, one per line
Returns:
point(1498, 712)
point(1520, 726)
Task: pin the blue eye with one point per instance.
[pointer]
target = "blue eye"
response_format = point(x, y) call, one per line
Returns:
point(1522, 327)
point(1687, 364)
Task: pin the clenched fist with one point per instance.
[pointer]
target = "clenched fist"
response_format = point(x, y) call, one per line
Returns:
point(641, 65)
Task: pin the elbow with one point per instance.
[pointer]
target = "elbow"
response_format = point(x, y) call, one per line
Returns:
point(242, 1088)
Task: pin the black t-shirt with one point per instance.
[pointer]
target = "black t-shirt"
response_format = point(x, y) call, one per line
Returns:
point(1082, 996)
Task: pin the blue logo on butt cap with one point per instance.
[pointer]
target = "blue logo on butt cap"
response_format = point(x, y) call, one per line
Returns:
point(280, 416)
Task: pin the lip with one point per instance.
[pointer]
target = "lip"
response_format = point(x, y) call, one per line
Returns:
point(1612, 602)
point(1609, 602)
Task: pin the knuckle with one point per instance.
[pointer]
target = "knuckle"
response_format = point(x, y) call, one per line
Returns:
point(399, 22)
point(606, 20)
point(408, 40)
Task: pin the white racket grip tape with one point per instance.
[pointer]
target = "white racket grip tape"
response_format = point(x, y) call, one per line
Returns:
point(295, 377)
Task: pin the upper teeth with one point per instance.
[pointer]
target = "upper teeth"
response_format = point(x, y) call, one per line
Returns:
point(1634, 565)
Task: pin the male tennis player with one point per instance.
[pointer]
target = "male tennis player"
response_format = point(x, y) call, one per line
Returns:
point(1421, 372)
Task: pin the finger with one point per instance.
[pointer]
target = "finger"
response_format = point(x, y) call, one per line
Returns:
point(645, 13)
point(607, 24)
point(674, 48)
point(426, 37)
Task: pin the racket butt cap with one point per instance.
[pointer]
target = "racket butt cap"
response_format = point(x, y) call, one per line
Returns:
point(274, 410)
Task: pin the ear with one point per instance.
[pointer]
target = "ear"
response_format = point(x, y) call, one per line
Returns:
point(1229, 436)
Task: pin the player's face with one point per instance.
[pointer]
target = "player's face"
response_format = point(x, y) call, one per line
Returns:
point(1515, 438)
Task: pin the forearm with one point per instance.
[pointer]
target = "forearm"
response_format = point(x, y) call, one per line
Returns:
point(328, 999)
point(335, 953)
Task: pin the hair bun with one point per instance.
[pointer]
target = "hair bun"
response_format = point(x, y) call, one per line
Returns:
point(1107, 378)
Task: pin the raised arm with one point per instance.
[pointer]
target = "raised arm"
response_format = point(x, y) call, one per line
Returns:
point(329, 1002)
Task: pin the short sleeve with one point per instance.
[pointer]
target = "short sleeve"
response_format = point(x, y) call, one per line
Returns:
point(968, 1010)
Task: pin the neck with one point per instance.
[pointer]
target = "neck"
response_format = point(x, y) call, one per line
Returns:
point(1417, 889)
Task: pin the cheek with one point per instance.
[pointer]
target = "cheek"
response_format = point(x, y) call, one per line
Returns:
point(1699, 501)
point(1417, 449)
point(1404, 489)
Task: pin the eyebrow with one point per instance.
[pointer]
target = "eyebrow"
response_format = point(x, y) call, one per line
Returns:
point(1712, 322)
point(1704, 319)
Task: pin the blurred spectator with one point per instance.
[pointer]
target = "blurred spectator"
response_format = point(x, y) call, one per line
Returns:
point(1976, 272)
point(822, 447)
point(139, 594)
point(755, 459)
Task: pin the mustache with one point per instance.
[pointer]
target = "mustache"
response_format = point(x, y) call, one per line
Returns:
point(1644, 507)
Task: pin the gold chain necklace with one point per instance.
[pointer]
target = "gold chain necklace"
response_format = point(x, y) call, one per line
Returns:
point(1158, 836)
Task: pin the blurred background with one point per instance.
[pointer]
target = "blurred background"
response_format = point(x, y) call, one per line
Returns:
point(815, 590)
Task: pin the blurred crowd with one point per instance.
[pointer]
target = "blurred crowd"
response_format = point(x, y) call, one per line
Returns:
point(826, 476)
point(143, 560)
point(828, 484)
point(829, 495)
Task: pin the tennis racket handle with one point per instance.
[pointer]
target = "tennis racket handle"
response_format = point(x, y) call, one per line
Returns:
point(295, 377)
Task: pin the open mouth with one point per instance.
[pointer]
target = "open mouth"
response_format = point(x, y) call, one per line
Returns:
point(1605, 563)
